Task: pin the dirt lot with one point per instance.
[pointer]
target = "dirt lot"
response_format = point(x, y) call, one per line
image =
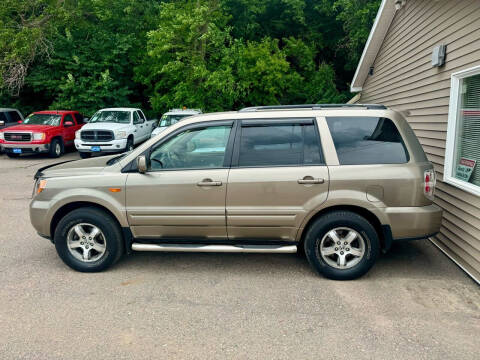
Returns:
point(414, 304)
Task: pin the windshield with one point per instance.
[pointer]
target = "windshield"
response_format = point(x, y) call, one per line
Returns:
point(168, 120)
point(43, 119)
point(121, 117)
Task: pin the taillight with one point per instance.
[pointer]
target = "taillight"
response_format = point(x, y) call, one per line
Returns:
point(429, 183)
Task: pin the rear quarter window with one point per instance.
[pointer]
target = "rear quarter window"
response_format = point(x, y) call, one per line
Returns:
point(367, 140)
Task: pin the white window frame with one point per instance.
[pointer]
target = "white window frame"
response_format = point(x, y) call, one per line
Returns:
point(453, 111)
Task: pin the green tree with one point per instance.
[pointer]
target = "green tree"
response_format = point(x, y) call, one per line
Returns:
point(25, 27)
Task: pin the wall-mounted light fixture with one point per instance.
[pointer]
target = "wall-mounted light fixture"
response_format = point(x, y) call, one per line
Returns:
point(399, 4)
point(438, 55)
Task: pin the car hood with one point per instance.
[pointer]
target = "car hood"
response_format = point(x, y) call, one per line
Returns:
point(105, 126)
point(31, 128)
point(75, 168)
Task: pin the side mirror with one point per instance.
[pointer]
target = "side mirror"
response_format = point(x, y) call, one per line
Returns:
point(142, 164)
point(68, 124)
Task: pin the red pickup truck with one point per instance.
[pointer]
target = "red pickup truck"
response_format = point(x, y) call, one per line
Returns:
point(42, 132)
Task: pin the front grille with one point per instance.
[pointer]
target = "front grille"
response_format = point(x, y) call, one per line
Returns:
point(11, 136)
point(96, 135)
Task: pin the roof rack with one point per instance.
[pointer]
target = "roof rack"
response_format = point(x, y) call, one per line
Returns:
point(312, 107)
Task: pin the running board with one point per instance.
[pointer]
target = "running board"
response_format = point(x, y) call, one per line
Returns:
point(288, 249)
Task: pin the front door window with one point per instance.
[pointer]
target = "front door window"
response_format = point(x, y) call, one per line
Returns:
point(192, 149)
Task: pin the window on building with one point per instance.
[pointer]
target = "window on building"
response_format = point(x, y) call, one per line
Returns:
point(462, 157)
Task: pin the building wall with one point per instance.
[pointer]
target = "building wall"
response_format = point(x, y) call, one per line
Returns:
point(404, 80)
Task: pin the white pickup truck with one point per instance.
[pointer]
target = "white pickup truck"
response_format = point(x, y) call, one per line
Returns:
point(113, 130)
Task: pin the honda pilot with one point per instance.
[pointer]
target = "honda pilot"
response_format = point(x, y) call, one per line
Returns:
point(340, 183)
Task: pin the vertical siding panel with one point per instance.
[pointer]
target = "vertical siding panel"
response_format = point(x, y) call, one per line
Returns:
point(404, 80)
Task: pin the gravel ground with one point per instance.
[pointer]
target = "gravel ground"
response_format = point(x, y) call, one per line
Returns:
point(414, 304)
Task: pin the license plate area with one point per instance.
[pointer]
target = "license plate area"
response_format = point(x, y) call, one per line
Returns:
point(17, 151)
point(95, 148)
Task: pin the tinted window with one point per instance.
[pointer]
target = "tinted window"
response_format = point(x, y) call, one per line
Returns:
point(14, 117)
point(142, 115)
point(279, 145)
point(192, 149)
point(367, 140)
point(78, 118)
point(3, 117)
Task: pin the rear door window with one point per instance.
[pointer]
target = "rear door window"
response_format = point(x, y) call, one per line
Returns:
point(367, 140)
point(278, 143)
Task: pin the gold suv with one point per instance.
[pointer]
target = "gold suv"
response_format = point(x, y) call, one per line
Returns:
point(339, 182)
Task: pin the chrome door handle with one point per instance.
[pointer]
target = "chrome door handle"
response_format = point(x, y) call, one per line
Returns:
point(310, 180)
point(209, 182)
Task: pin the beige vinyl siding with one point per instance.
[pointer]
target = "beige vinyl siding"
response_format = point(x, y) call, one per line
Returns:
point(404, 80)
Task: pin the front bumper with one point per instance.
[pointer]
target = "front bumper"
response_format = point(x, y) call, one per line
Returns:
point(418, 222)
point(26, 148)
point(110, 146)
point(38, 217)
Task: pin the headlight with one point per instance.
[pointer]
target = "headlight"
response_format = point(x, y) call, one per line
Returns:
point(40, 185)
point(38, 136)
point(2, 137)
point(120, 134)
point(77, 134)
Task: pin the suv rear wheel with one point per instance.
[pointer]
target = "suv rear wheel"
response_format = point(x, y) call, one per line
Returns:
point(88, 240)
point(342, 245)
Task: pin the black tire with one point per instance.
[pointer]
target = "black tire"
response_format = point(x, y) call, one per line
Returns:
point(130, 145)
point(12, 155)
point(341, 219)
point(56, 148)
point(110, 229)
point(85, 155)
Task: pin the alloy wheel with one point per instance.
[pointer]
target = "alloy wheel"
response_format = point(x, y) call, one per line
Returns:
point(86, 242)
point(342, 248)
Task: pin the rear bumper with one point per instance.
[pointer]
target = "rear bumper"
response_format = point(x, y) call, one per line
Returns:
point(26, 148)
point(410, 223)
point(111, 146)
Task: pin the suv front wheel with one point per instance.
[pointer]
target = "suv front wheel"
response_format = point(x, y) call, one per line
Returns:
point(342, 245)
point(88, 240)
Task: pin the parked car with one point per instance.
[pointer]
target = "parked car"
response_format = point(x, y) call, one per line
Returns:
point(42, 132)
point(341, 182)
point(10, 117)
point(172, 117)
point(113, 130)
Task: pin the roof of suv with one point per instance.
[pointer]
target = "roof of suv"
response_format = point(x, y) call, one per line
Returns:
point(289, 111)
point(183, 112)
